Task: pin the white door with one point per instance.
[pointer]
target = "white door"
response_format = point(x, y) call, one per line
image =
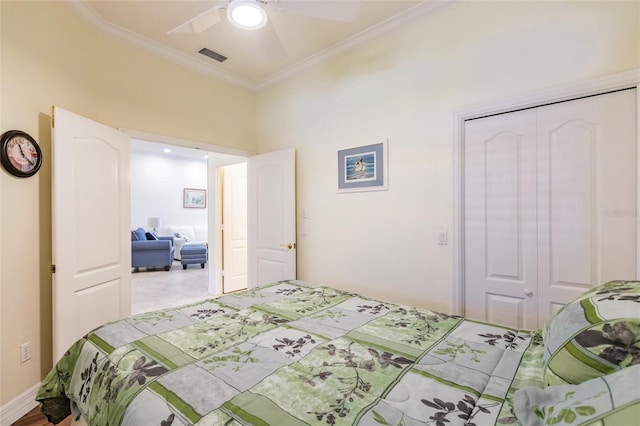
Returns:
point(272, 219)
point(587, 192)
point(550, 202)
point(500, 209)
point(234, 219)
point(91, 235)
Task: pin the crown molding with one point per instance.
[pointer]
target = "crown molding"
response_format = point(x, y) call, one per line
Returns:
point(425, 9)
point(91, 17)
point(422, 10)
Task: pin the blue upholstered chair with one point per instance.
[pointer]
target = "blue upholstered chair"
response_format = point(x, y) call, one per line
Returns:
point(150, 251)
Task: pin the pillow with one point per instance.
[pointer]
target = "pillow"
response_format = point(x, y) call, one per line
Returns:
point(150, 236)
point(183, 235)
point(609, 400)
point(140, 234)
point(134, 236)
point(595, 335)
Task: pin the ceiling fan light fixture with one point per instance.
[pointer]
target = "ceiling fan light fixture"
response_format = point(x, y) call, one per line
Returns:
point(247, 14)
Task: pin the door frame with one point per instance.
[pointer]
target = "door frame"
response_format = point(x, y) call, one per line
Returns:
point(214, 215)
point(600, 85)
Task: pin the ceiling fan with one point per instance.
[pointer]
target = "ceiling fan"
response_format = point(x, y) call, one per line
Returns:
point(253, 15)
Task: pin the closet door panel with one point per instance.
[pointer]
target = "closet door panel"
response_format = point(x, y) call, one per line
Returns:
point(586, 196)
point(502, 246)
point(569, 164)
point(500, 243)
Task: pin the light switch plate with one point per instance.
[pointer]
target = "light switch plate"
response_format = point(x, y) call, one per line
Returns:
point(25, 352)
point(442, 237)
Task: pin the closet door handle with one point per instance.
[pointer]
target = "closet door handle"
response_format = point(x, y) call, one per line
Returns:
point(528, 292)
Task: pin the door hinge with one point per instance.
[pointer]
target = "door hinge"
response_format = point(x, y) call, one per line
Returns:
point(53, 269)
point(53, 117)
point(222, 273)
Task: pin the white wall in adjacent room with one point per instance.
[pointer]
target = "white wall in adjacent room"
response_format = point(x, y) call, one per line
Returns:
point(157, 184)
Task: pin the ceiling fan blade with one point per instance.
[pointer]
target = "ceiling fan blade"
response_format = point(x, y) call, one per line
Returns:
point(271, 42)
point(205, 20)
point(335, 10)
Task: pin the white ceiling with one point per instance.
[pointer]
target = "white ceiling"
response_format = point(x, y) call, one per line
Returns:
point(255, 59)
point(154, 148)
point(183, 152)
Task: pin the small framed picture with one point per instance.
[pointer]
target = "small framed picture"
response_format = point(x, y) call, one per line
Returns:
point(195, 198)
point(363, 168)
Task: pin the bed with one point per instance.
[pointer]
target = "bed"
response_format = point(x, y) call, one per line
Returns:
point(293, 353)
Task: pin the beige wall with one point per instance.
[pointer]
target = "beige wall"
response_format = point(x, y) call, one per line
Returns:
point(406, 87)
point(50, 56)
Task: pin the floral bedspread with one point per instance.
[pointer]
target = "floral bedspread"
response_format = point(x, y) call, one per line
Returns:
point(292, 353)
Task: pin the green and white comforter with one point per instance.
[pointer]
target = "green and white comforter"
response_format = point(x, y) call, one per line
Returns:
point(294, 354)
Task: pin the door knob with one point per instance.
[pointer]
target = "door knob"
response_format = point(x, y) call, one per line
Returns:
point(288, 246)
point(528, 292)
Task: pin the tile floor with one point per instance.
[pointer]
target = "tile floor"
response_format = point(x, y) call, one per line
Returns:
point(155, 289)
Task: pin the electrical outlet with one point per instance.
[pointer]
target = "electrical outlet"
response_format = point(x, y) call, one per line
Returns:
point(25, 352)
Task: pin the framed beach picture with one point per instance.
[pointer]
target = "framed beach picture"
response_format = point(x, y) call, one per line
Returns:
point(195, 198)
point(363, 168)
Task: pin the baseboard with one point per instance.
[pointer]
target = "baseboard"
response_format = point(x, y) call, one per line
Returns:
point(19, 406)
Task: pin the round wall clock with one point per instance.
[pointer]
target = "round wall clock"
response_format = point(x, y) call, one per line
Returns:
point(20, 155)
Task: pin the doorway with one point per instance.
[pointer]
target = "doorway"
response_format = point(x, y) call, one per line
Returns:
point(91, 183)
point(161, 175)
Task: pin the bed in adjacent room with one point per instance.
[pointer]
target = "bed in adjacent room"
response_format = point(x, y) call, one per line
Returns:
point(292, 353)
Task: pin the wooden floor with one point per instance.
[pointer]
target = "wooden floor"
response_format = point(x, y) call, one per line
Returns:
point(36, 418)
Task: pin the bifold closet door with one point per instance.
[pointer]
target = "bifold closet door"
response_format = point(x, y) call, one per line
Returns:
point(550, 206)
point(500, 213)
point(587, 196)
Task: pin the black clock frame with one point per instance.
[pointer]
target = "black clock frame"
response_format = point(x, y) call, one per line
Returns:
point(4, 158)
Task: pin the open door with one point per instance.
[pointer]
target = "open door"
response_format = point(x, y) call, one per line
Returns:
point(234, 218)
point(91, 235)
point(272, 217)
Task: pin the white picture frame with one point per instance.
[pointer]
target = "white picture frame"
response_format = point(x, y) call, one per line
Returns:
point(194, 198)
